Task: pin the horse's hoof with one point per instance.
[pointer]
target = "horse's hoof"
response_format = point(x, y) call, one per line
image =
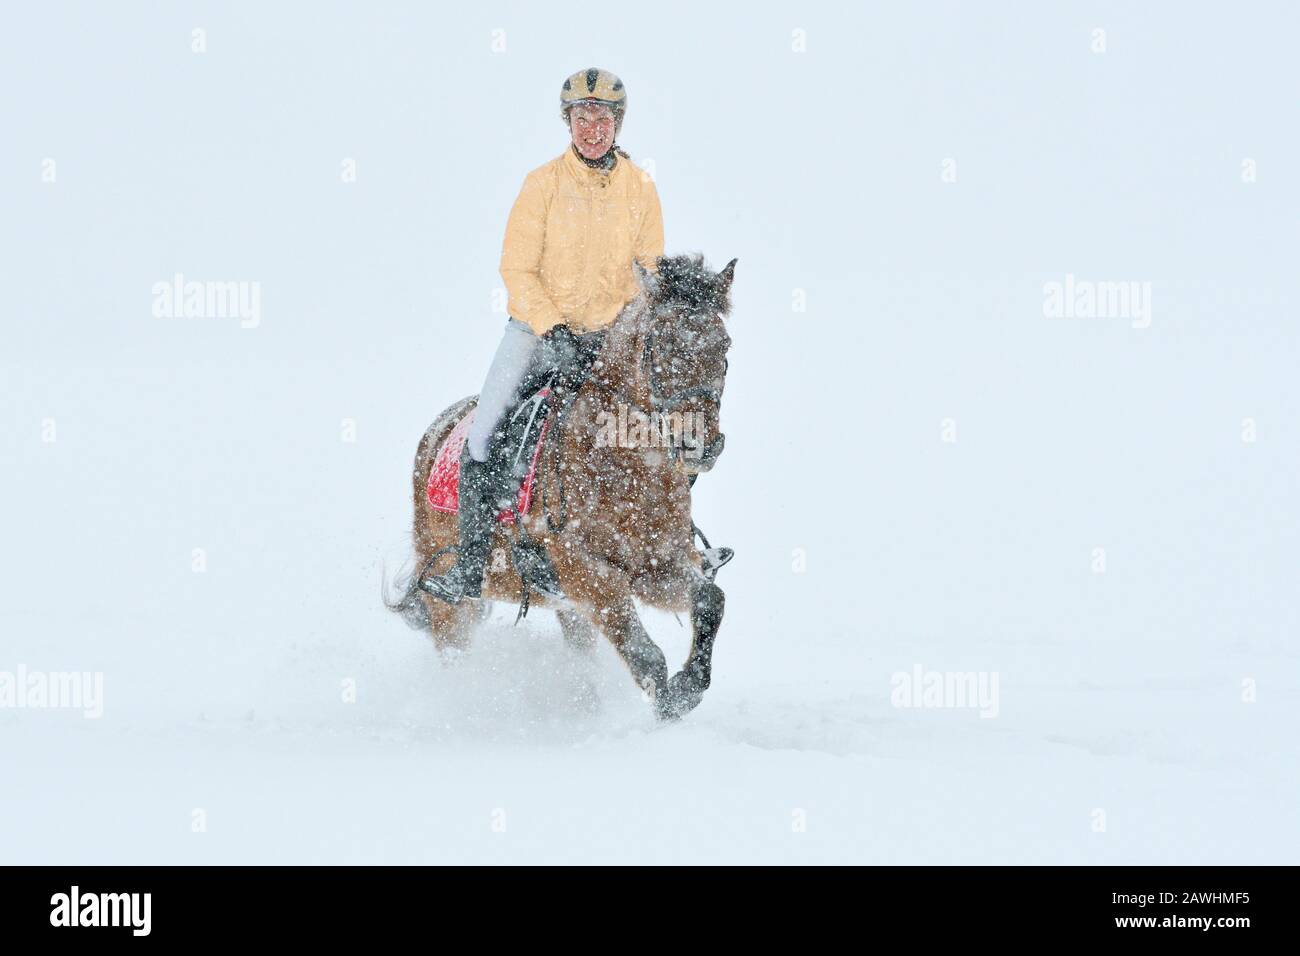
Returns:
point(682, 695)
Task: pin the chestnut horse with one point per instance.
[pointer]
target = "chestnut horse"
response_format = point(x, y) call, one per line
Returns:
point(624, 530)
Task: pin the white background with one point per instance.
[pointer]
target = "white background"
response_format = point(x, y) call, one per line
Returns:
point(820, 170)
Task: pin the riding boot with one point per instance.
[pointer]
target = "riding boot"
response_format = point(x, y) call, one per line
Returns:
point(479, 492)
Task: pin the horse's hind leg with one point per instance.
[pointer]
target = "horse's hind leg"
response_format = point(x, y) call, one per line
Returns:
point(452, 624)
point(686, 688)
point(580, 638)
point(578, 634)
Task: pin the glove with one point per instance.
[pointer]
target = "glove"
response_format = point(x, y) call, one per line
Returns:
point(560, 338)
point(565, 355)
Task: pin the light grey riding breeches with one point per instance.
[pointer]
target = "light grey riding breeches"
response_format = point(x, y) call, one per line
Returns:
point(513, 358)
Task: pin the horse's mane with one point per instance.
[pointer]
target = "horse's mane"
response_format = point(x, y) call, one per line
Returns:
point(680, 283)
point(685, 280)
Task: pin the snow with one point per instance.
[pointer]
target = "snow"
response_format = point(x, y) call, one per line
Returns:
point(1157, 699)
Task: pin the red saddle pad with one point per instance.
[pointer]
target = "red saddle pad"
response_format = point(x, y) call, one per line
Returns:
point(444, 476)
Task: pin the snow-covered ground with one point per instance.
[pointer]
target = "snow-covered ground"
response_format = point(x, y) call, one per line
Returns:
point(185, 511)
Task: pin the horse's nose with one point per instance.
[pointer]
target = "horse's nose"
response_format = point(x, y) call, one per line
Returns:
point(711, 453)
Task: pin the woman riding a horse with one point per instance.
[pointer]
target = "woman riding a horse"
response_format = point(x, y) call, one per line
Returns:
point(577, 226)
point(596, 306)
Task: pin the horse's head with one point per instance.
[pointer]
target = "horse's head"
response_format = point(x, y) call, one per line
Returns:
point(684, 350)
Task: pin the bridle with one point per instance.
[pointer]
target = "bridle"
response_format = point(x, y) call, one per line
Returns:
point(661, 403)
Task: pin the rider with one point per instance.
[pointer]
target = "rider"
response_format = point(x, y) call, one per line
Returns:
point(572, 236)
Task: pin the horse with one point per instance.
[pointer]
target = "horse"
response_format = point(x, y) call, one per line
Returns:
point(624, 531)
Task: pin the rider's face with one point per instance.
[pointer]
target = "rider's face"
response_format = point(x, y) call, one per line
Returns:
point(592, 128)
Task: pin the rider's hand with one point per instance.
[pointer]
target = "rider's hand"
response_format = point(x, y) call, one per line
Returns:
point(564, 355)
point(561, 345)
point(559, 333)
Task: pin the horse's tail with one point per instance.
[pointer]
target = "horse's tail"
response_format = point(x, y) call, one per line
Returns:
point(404, 599)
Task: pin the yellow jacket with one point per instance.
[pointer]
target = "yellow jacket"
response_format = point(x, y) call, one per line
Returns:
point(570, 241)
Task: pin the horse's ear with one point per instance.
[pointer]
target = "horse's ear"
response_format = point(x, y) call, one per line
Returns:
point(727, 274)
point(644, 277)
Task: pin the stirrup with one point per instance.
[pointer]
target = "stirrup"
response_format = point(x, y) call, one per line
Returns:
point(450, 586)
point(712, 559)
point(443, 587)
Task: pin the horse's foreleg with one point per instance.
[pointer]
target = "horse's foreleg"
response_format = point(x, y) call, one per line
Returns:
point(604, 597)
point(686, 688)
point(619, 622)
point(644, 658)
